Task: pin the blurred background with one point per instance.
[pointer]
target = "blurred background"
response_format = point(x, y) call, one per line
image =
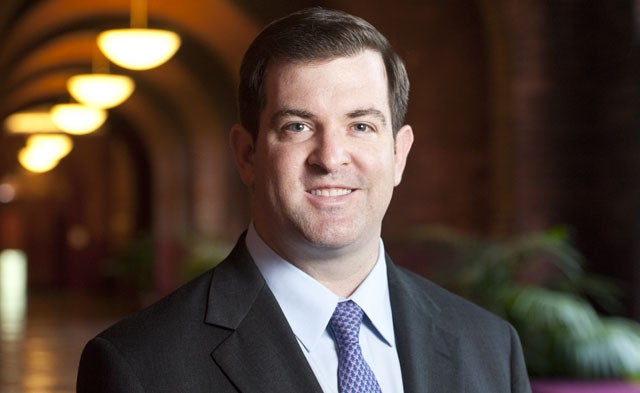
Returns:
point(525, 112)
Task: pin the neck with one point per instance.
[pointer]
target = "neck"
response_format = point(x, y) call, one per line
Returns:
point(341, 269)
point(343, 275)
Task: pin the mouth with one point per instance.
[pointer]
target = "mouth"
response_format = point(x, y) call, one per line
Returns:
point(330, 192)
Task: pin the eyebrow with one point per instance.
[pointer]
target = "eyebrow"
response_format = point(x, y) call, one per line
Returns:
point(290, 112)
point(358, 113)
point(368, 112)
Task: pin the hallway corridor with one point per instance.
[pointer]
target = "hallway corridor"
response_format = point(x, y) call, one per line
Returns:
point(40, 353)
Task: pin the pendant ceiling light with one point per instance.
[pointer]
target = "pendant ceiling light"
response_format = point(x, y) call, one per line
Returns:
point(34, 162)
point(77, 119)
point(43, 152)
point(55, 146)
point(138, 47)
point(28, 122)
point(100, 90)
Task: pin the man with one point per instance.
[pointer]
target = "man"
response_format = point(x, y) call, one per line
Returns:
point(308, 301)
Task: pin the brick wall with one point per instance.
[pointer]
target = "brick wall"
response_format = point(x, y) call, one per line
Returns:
point(526, 116)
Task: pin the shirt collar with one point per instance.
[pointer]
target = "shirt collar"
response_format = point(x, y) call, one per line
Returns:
point(308, 305)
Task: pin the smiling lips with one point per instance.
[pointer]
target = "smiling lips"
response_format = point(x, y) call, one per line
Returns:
point(331, 192)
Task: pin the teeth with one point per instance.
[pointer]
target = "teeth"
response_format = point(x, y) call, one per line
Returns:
point(331, 192)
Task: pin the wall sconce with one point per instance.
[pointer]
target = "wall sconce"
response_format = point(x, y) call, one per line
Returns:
point(138, 47)
point(77, 119)
point(100, 90)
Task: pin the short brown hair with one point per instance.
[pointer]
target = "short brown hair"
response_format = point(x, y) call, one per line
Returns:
point(316, 34)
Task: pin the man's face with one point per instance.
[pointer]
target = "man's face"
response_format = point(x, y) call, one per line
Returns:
point(325, 162)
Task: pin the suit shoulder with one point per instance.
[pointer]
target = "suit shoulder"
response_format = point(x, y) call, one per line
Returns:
point(452, 308)
point(179, 310)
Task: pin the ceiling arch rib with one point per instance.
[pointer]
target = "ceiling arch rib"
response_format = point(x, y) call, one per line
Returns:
point(64, 57)
point(73, 48)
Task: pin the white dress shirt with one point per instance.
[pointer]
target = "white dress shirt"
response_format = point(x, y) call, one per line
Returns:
point(308, 306)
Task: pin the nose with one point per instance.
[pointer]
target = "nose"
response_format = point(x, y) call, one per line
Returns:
point(330, 151)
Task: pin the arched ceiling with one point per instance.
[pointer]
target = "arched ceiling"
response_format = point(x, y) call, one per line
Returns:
point(45, 42)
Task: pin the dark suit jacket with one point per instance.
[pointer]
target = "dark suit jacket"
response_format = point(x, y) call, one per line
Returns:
point(224, 332)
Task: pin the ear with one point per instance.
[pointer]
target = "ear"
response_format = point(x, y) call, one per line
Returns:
point(404, 140)
point(243, 148)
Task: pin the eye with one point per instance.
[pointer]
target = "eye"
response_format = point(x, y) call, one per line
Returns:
point(362, 127)
point(296, 127)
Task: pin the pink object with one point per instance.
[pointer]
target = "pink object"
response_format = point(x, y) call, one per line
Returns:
point(584, 387)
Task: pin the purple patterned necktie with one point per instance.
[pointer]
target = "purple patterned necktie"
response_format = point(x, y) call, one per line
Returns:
point(354, 374)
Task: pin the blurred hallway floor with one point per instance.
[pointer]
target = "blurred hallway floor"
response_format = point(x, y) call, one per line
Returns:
point(40, 354)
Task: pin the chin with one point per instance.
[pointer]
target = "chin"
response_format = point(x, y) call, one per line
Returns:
point(332, 238)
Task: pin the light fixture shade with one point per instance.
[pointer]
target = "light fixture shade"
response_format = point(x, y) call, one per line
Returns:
point(30, 122)
point(138, 49)
point(43, 152)
point(77, 119)
point(55, 146)
point(100, 90)
point(33, 162)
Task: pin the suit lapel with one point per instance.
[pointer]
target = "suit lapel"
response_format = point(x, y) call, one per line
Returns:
point(255, 348)
point(427, 351)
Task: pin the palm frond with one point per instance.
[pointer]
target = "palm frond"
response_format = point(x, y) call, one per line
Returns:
point(560, 313)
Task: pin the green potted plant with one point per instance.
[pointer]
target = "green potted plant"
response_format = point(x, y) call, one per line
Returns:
point(538, 283)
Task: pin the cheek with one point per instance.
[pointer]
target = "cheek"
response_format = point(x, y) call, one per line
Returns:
point(278, 171)
point(386, 176)
point(382, 164)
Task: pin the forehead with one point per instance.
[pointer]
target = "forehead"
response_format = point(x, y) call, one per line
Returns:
point(360, 79)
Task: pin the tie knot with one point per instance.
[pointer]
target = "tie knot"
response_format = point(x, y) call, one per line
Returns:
point(345, 323)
